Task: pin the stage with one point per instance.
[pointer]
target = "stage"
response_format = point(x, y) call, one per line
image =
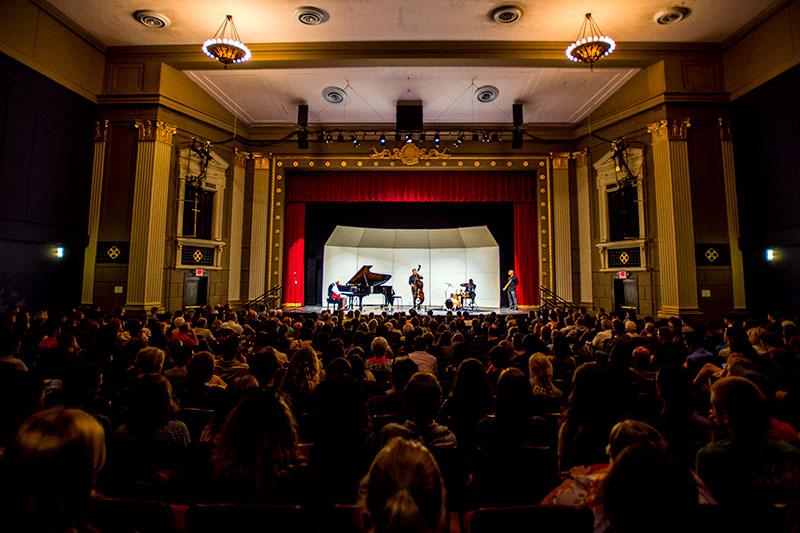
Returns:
point(437, 310)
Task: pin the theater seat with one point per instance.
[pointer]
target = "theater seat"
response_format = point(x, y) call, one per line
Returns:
point(538, 518)
point(340, 519)
point(213, 518)
point(514, 475)
point(129, 516)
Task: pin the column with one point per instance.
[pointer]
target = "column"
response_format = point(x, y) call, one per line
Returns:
point(584, 226)
point(237, 216)
point(562, 238)
point(674, 218)
point(732, 209)
point(98, 169)
point(259, 227)
point(149, 220)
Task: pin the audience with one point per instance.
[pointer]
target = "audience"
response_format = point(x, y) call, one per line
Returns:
point(277, 407)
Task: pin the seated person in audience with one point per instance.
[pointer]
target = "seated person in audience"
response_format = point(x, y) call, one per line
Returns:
point(230, 365)
point(649, 490)
point(698, 355)
point(541, 372)
point(204, 390)
point(201, 330)
point(178, 375)
point(403, 491)
point(468, 402)
point(379, 362)
point(513, 423)
point(148, 361)
point(49, 472)
point(264, 365)
point(301, 378)
point(185, 334)
point(152, 437)
point(742, 466)
point(20, 396)
point(9, 350)
point(422, 399)
point(685, 430)
point(588, 419)
point(256, 453)
point(425, 361)
point(403, 368)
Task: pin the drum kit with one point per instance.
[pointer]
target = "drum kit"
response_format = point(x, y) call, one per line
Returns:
point(461, 299)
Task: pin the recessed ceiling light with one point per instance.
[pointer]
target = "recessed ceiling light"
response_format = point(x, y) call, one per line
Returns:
point(334, 95)
point(311, 16)
point(672, 15)
point(506, 14)
point(486, 94)
point(152, 19)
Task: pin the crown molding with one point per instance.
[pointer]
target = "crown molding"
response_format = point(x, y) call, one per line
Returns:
point(68, 23)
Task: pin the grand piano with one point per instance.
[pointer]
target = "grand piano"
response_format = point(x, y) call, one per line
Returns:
point(365, 282)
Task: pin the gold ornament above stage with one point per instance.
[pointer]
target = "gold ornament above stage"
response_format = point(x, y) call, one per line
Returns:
point(410, 154)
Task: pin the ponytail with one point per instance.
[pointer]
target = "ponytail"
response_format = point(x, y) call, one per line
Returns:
point(400, 514)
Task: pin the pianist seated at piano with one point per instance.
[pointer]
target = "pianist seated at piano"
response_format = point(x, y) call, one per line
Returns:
point(335, 295)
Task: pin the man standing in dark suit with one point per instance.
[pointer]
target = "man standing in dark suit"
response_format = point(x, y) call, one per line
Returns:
point(511, 289)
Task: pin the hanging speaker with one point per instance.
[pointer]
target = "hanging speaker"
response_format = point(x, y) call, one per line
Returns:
point(517, 111)
point(302, 115)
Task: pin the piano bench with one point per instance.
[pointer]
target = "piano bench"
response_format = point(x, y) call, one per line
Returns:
point(395, 298)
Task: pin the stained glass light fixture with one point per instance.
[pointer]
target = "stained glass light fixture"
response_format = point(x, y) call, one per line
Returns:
point(591, 45)
point(226, 46)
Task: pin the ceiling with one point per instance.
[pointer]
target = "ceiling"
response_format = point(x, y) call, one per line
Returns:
point(270, 96)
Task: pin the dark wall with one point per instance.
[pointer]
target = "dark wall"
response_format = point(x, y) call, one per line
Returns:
point(45, 177)
point(322, 218)
point(767, 150)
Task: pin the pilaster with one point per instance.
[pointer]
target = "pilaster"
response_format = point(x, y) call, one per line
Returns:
point(98, 169)
point(732, 210)
point(259, 226)
point(149, 219)
point(562, 236)
point(674, 217)
point(237, 215)
point(584, 225)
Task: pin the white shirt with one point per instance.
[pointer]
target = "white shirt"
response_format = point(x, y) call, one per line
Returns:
point(425, 361)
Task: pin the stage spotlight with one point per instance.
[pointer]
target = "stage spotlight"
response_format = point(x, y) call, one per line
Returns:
point(354, 140)
point(328, 138)
point(437, 139)
point(382, 140)
point(485, 137)
point(409, 138)
point(460, 140)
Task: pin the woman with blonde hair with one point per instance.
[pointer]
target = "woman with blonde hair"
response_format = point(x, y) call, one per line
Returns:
point(541, 372)
point(403, 491)
point(50, 470)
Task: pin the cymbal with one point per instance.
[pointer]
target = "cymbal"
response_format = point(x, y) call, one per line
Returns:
point(465, 284)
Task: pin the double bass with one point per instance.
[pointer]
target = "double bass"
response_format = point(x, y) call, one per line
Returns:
point(418, 286)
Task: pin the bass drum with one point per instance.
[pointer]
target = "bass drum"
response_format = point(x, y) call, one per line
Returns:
point(448, 303)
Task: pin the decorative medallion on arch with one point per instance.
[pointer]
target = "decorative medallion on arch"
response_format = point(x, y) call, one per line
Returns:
point(621, 213)
point(200, 212)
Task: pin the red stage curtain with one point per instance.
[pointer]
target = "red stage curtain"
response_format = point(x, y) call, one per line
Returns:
point(294, 244)
point(525, 242)
point(404, 186)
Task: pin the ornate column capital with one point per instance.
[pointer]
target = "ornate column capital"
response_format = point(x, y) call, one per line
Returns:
point(560, 159)
point(581, 158)
point(154, 130)
point(260, 161)
point(101, 131)
point(673, 129)
point(725, 129)
point(240, 158)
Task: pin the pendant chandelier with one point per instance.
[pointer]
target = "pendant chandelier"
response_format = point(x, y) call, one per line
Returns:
point(226, 46)
point(591, 45)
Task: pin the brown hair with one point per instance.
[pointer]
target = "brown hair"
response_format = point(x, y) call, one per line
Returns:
point(403, 490)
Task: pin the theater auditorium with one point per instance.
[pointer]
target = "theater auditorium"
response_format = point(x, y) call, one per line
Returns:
point(454, 266)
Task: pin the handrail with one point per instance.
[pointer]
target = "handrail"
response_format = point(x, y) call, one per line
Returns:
point(269, 297)
point(550, 299)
